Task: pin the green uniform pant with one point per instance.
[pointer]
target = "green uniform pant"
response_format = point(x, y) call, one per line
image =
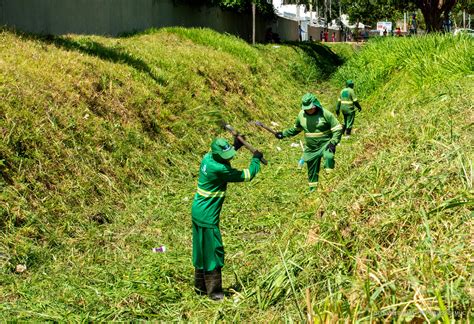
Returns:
point(314, 166)
point(208, 250)
point(349, 118)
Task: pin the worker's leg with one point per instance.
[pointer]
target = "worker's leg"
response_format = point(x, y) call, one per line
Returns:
point(212, 249)
point(344, 126)
point(350, 122)
point(313, 173)
point(213, 262)
point(199, 283)
point(329, 161)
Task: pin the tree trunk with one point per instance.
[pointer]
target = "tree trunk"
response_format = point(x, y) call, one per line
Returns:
point(433, 11)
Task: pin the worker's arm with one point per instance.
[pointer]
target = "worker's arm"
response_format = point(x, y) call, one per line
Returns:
point(336, 128)
point(293, 130)
point(355, 101)
point(338, 106)
point(230, 174)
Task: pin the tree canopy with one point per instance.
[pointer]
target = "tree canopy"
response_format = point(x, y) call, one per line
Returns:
point(263, 6)
point(371, 11)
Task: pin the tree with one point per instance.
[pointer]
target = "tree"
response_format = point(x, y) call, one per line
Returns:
point(434, 12)
point(371, 11)
point(263, 6)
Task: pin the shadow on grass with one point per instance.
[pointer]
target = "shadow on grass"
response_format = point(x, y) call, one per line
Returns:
point(92, 48)
point(327, 61)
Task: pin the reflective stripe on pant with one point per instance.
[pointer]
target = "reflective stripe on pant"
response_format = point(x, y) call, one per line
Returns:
point(315, 164)
point(349, 119)
point(208, 250)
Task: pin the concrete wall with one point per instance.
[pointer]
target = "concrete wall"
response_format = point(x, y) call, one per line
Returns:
point(287, 29)
point(113, 17)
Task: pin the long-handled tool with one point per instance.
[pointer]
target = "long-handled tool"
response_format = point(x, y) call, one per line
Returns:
point(241, 139)
point(260, 124)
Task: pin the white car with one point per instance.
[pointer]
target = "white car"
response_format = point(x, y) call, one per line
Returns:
point(466, 31)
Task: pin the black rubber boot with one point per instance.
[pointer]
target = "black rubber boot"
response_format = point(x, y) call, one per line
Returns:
point(348, 131)
point(199, 282)
point(214, 284)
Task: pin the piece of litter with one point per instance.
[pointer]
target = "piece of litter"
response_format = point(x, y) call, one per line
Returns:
point(161, 249)
point(300, 163)
point(294, 145)
point(274, 124)
point(278, 148)
point(20, 268)
point(186, 199)
point(276, 46)
point(416, 166)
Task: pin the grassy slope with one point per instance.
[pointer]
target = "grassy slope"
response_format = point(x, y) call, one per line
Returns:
point(102, 139)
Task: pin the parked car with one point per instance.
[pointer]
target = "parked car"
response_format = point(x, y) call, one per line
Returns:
point(466, 31)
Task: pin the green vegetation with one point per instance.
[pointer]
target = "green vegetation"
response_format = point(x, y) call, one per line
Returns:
point(102, 139)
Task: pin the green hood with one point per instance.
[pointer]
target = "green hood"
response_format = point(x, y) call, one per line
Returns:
point(308, 101)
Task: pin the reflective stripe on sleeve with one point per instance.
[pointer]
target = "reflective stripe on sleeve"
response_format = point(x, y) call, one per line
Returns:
point(347, 102)
point(210, 194)
point(355, 99)
point(337, 127)
point(246, 174)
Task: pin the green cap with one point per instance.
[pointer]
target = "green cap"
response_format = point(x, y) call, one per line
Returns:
point(221, 147)
point(349, 83)
point(308, 101)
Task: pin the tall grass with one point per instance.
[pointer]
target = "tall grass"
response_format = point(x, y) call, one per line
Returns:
point(102, 137)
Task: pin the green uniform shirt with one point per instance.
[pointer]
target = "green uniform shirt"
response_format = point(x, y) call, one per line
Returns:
point(212, 184)
point(347, 101)
point(320, 129)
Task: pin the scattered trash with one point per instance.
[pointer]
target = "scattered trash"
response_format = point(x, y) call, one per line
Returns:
point(294, 145)
point(301, 160)
point(300, 163)
point(274, 124)
point(86, 116)
point(186, 199)
point(276, 46)
point(236, 300)
point(416, 166)
point(278, 148)
point(161, 249)
point(20, 268)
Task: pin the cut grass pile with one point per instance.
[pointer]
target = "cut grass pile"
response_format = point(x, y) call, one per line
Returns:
point(102, 139)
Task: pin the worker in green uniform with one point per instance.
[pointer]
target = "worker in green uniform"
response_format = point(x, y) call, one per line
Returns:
point(214, 174)
point(322, 133)
point(347, 102)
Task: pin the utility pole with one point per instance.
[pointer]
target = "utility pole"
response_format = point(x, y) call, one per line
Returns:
point(317, 10)
point(253, 22)
point(330, 13)
point(326, 13)
point(340, 11)
point(404, 22)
